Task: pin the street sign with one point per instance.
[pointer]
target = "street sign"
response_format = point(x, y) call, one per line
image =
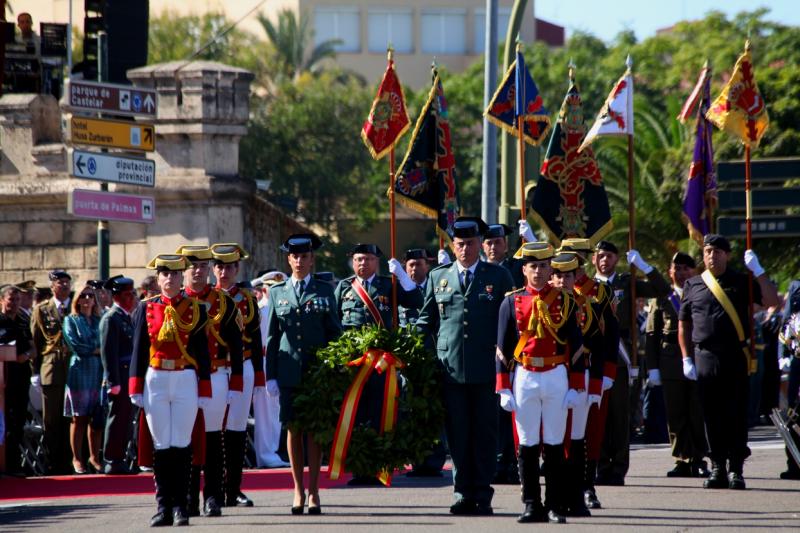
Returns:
point(766, 226)
point(766, 198)
point(110, 98)
point(112, 168)
point(111, 133)
point(776, 169)
point(100, 205)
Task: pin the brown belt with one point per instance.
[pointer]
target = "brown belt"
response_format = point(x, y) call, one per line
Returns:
point(539, 363)
point(169, 364)
point(246, 354)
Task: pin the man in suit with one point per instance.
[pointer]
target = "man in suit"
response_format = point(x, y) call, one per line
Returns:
point(50, 369)
point(615, 452)
point(461, 307)
point(116, 348)
point(664, 367)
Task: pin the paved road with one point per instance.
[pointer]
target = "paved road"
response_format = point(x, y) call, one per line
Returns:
point(649, 501)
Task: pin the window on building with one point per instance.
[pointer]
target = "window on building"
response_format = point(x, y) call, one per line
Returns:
point(503, 16)
point(338, 22)
point(391, 26)
point(444, 31)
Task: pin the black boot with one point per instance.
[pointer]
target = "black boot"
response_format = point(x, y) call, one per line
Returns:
point(214, 472)
point(576, 470)
point(718, 478)
point(528, 463)
point(194, 492)
point(181, 471)
point(554, 500)
point(162, 460)
point(234, 460)
point(735, 477)
point(589, 492)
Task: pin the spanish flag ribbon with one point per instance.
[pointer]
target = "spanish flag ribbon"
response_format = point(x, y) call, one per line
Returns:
point(372, 360)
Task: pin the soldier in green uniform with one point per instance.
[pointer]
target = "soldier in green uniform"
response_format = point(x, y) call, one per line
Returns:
point(417, 265)
point(461, 307)
point(495, 248)
point(664, 367)
point(302, 318)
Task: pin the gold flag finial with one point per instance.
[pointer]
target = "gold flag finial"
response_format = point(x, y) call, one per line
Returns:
point(571, 67)
point(390, 52)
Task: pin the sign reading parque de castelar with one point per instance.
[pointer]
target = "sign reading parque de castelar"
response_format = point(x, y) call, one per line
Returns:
point(110, 98)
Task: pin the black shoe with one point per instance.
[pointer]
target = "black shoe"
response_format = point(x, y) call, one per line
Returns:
point(238, 500)
point(315, 509)
point(555, 518)
point(790, 474)
point(532, 513)
point(211, 507)
point(161, 518)
point(700, 469)
point(590, 498)
point(736, 481)
point(364, 481)
point(179, 517)
point(483, 509)
point(463, 507)
point(682, 469)
point(718, 478)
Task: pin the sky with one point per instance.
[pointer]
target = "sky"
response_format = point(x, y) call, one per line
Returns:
point(606, 18)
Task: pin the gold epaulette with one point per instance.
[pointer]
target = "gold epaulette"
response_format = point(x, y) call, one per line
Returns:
point(509, 293)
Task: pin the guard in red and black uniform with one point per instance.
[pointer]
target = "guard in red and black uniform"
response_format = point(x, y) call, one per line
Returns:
point(226, 258)
point(225, 350)
point(170, 379)
point(538, 331)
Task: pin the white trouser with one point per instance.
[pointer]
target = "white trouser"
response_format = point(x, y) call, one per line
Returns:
point(580, 414)
point(170, 406)
point(239, 409)
point(214, 412)
point(266, 410)
point(540, 398)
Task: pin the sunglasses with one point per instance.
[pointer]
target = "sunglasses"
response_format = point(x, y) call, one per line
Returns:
point(86, 296)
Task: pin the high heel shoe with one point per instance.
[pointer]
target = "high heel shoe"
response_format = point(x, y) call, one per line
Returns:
point(79, 469)
point(298, 509)
point(314, 509)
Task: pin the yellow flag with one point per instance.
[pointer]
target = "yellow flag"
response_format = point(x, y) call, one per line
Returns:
point(740, 108)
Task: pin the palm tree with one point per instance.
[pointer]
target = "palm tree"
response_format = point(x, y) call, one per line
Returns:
point(290, 39)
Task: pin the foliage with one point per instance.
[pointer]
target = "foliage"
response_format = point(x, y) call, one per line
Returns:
point(420, 411)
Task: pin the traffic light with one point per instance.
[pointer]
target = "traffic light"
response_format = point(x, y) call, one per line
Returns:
point(125, 22)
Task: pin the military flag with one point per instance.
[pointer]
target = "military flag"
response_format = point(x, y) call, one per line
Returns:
point(426, 181)
point(739, 109)
point(569, 199)
point(701, 187)
point(616, 115)
point(509, 104)
point(388, 119)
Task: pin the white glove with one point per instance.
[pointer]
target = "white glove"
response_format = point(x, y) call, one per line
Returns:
point(525, 231)
point(784, 363)
point(272, 388)
point(593, 399)
point(259, 391)
point(397, 270)
point(607, 383)
point(751, 262)
point(202, 402)
point(689, 369)
point(137, 400)
point(233, 395)
point(570, 399)
point(443, 257)
point(654, 377)
point(507, 400)
point(636, 260)
point(113, 391)
point(36, 381)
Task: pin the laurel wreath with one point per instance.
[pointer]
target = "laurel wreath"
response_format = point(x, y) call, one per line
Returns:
point(420, 415)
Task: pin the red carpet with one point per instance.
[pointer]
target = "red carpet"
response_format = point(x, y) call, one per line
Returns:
point(91, 486)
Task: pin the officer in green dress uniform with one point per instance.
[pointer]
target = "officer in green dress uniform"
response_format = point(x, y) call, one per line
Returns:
point(461, 306)
point(302, 318)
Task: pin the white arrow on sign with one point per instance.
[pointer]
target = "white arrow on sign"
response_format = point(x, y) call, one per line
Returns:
point(112, 168)
point(149, 104)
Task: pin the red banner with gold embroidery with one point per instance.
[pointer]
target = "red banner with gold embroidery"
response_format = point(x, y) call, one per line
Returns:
point(388, 119)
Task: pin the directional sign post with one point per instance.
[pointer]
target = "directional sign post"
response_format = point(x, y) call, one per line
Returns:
point(109, 98)
point(100, 205)
point(112, 168)
point(111, 133)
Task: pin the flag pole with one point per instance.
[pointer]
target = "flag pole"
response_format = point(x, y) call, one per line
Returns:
point(521, 150)
point(748, 202)
point(434, 73)
point(392, 220)
point(631, 246)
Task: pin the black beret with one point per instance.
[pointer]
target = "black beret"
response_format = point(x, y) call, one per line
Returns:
point(58, 274)
point(467, 227)
point(366, 249)
point(496, 230)
point(607, 246)
point(118, 283)
point(301, 243)
point(682, 258)
point(717, 241)
point(418, 253)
